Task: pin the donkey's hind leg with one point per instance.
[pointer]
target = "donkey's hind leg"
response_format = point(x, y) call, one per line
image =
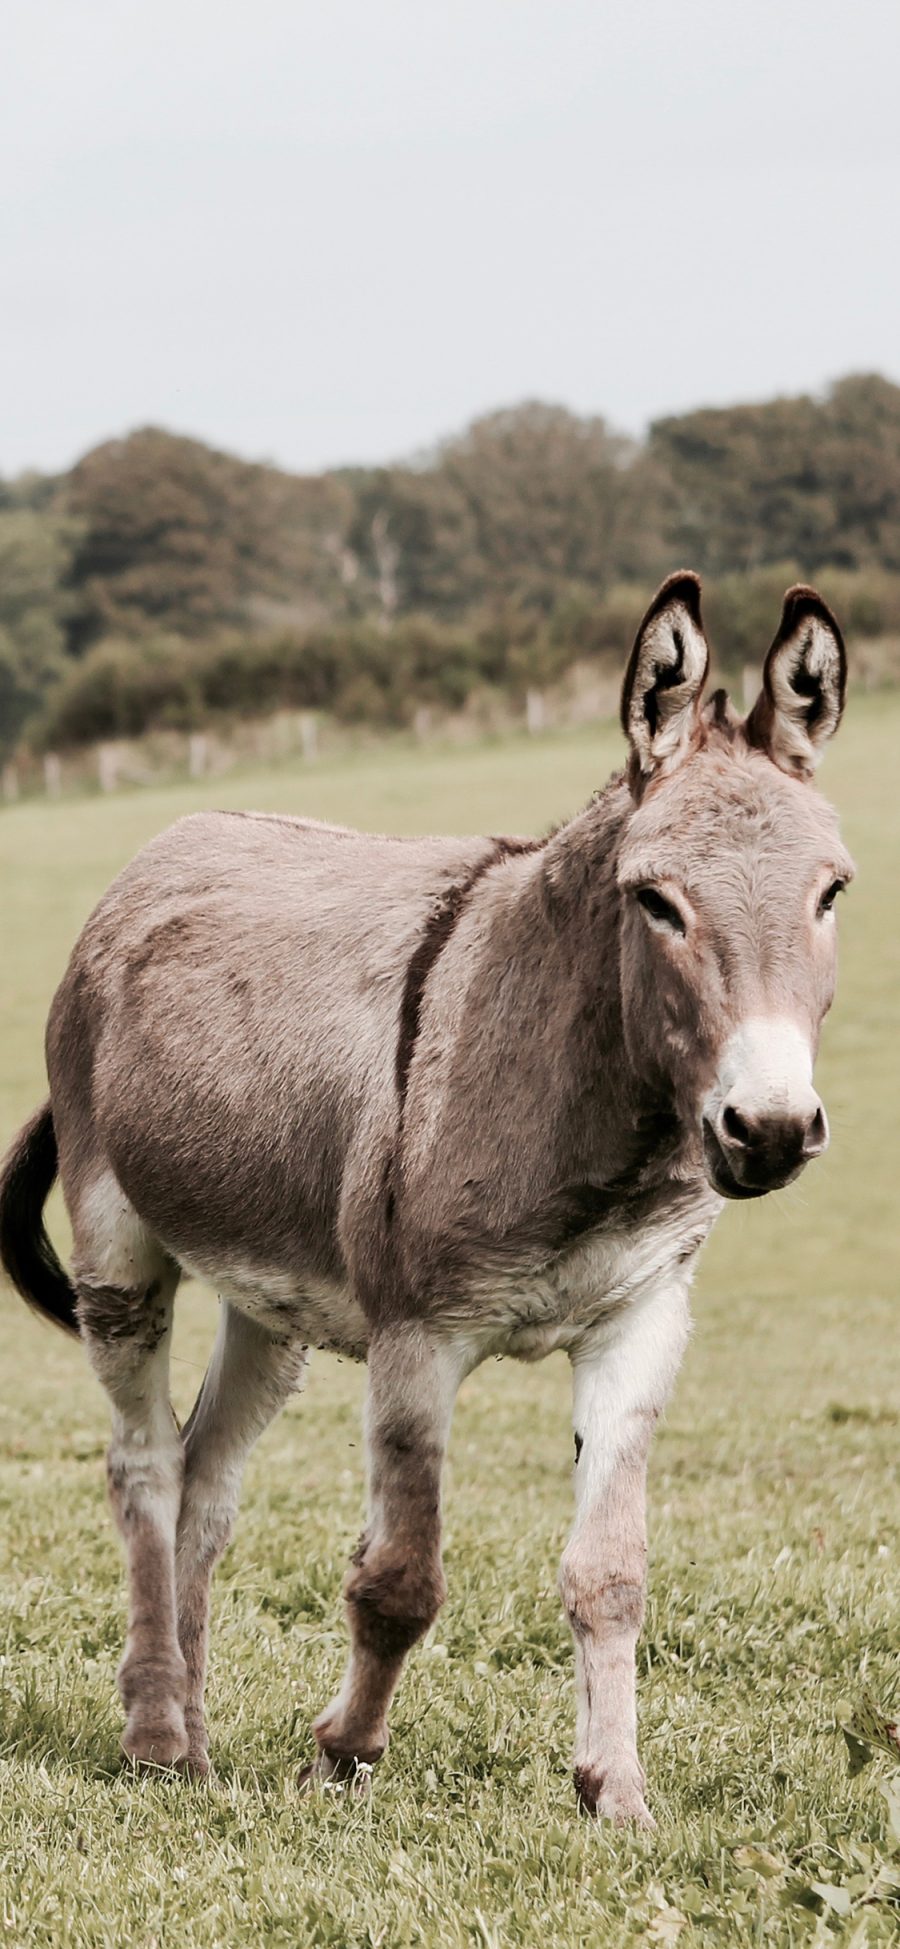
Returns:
point(250, 1376)
point(126, 1286)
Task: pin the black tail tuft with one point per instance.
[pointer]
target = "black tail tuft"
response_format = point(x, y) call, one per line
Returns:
point(26, 1254)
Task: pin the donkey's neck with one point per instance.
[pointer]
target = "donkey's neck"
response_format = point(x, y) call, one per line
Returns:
point(550, 986)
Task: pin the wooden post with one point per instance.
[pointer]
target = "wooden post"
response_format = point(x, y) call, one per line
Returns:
point(534, 711)
point(197, 754)
point(10, 782)
point(52, 775)
point(108, 767)
point(309, 736)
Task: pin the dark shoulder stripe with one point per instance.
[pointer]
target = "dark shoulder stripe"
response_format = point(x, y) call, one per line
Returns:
point(438, 928)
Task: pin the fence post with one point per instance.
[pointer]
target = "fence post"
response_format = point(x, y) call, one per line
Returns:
point(309, 736)
point(52, 775)
point(10, 782)
point(108, 767)
point(534, 711)
point(197, 754)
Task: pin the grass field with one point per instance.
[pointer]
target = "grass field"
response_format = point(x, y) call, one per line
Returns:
point(774, 1587)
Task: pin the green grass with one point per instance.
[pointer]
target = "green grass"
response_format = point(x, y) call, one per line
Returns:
point(773, 1591)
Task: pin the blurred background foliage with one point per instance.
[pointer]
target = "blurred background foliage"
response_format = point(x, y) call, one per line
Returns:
point(161, 584)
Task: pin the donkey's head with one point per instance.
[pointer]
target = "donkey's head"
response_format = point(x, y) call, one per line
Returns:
point(729, 868)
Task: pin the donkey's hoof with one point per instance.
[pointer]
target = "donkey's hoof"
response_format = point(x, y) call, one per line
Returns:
point(610, 1796)
point(339, 1774)
point(160, 1742)
point(195, 1764)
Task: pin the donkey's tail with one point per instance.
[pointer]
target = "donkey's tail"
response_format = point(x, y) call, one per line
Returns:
point(26, 1254)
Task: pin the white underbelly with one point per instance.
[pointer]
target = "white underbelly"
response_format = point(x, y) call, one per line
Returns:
point(321, 1312)
point(523, 1315)
point(528, 1318)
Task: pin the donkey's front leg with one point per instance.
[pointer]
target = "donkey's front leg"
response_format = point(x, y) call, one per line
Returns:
point(395, 1586)
point(622, 1375)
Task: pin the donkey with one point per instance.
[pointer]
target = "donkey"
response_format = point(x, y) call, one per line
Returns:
point(425, 1101)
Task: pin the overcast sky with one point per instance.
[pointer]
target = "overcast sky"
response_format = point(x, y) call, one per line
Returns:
point(318, 231)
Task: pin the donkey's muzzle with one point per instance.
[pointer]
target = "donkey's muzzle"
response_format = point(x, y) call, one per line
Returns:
point(748, 1155)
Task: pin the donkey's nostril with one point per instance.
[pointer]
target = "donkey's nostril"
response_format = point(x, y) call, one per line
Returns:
point(735, 1127)
point(763, 1149)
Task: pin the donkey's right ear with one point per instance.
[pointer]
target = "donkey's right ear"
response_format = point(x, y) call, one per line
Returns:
point(665, 677)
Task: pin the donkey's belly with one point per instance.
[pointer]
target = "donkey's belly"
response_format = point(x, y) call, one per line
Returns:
point(520, 1313)
point(325, 1314)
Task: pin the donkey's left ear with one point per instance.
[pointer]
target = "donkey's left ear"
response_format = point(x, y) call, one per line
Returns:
point(665, 677)
point(804, 684)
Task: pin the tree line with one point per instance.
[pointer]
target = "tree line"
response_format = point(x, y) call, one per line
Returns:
point(161, 583)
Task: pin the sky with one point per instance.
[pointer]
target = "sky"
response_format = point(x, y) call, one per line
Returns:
point(333, 232)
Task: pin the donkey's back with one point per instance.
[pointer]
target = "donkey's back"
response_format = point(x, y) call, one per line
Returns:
point(226, 1032)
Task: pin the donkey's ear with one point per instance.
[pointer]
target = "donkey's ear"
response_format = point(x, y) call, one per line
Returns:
point(804, 683)
point(665, 676)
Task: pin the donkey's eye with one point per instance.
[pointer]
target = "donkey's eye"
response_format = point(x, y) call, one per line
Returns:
point(660, 909)
point(830, 895)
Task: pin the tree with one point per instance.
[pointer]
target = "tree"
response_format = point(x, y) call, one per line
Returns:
point(178, 536)
point(36, 550)
point(813, 481)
